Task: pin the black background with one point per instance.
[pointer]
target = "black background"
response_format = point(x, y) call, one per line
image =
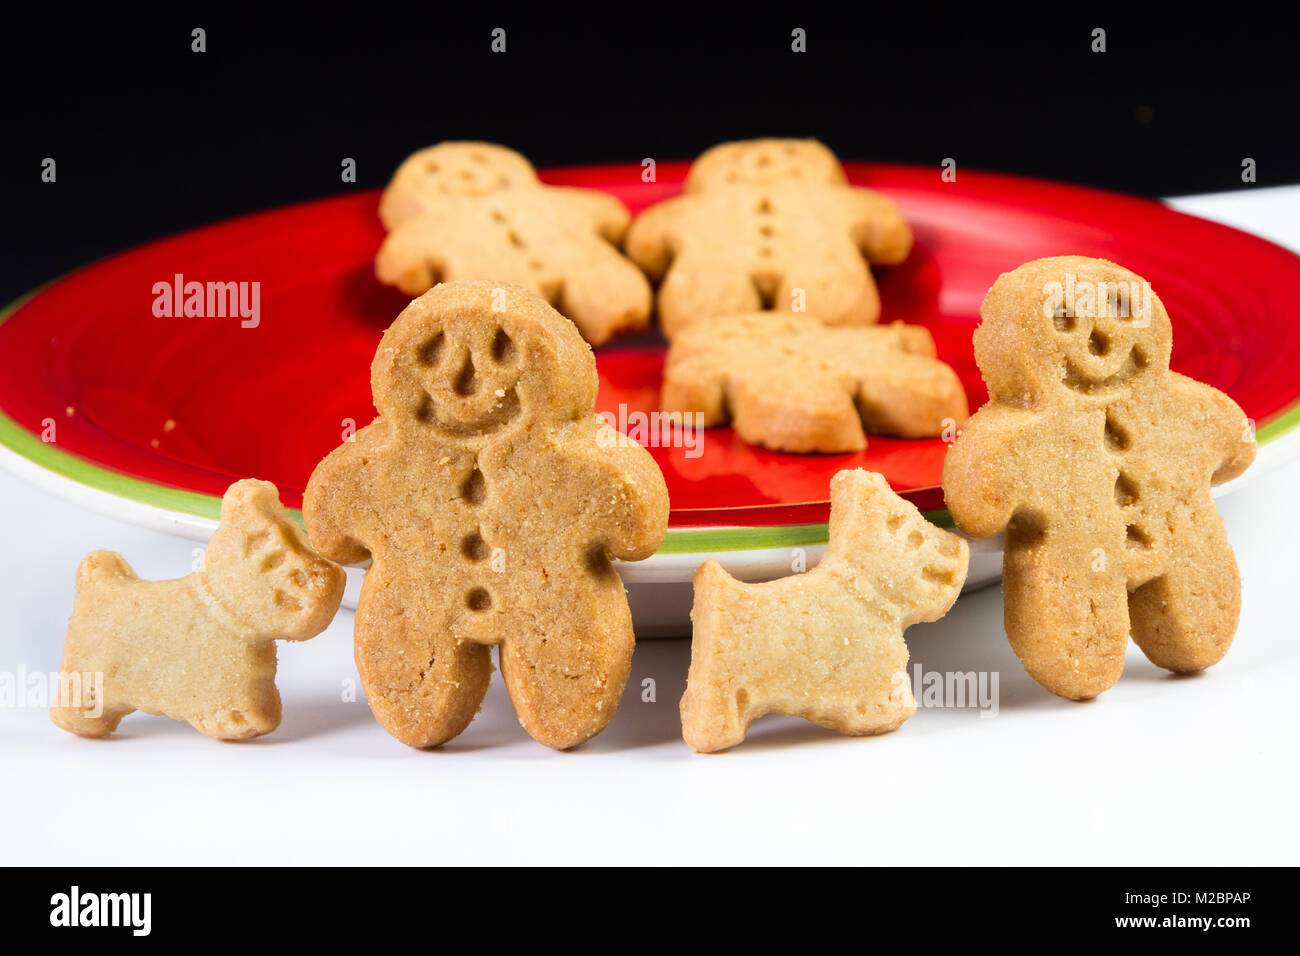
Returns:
point(151, 138)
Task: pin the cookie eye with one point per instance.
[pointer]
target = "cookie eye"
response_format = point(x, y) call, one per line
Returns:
point(503, 348)
point(430, 350)
point(1098, 342)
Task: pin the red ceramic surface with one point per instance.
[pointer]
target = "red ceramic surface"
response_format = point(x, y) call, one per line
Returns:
point(195, 403)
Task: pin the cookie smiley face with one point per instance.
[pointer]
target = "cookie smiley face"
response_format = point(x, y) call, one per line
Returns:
point(1092, 329)
point(762, 162)
point(450, 170)
point(464, 378)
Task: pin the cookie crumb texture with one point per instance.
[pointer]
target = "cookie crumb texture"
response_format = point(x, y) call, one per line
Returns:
point(490, 504)
point(201, 648)
point(1097, 461)
point(826, 645)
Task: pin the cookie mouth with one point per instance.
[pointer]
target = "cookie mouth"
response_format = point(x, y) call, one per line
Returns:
point(505, 411)
point(1080, 381)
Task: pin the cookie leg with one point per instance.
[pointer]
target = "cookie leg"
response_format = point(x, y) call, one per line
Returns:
point(839, 292)
point(697, 288)
point(424, 686)
point(1066, 617)
point(717, 707)
point(566, 686)
point(1185, 620)
point(75, 720)
point(605, 295)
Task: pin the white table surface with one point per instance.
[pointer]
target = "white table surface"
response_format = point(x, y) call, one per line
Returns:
point(1159, 770)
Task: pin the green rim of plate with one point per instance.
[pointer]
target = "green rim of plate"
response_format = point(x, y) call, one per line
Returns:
point(676, 541)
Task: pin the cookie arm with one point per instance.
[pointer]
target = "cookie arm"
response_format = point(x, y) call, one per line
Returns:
point(335, 501)
point(621, 488)
point(609, 217)
point(980, 484)
point(877, 226)
point(649, 241)
point(412, 256)
point(1223, 429)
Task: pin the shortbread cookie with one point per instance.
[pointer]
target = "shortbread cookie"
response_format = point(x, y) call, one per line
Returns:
point(768, 223)
point(478, 211)
point(826, 645)
point(490, 498)
point(201, 648)
point(792, 383)
point(1098, 460)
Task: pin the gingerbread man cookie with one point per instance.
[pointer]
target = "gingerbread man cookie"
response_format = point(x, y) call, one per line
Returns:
point(792, 383)
point(768, 223)
point(826, 645)
point(478, 211)
point(1097, 460)
point(200, 648)
point(490, 499)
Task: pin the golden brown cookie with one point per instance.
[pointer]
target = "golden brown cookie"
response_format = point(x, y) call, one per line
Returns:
point(478, 211)
point(200, 648)
point(490, 499)
point(790, 382)
point(1098, 460)
point(768, 224)
point(826, 645)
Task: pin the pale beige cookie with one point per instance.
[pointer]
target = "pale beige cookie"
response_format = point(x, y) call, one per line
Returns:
point(826, 645)
point(1097, 461)
point(768, 224)
point(789, 382)
point(490, 498)
point(478, 211)
point(201, 648)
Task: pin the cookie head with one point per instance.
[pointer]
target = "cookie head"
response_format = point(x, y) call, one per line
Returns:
point(472, 358)
point(261, 567)
point(762, 162)
point(466, 169)
point(1070, 326)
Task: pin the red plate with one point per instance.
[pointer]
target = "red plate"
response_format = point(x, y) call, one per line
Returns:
point(166, 412)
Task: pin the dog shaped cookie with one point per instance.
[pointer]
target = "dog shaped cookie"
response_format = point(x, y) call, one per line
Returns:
point(1097, 461)
point(201, 648)
point(768, 224)
point(478, 211)
point(792, 383)
point(826, 645)
point(489, 497)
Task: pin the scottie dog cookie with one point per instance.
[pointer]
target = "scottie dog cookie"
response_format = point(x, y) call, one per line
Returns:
point(1097, 461)
point(478, 211)
point(202, 648)
point(768, 224)
point(826, 645)
point(789, 382)
point(490, 499)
